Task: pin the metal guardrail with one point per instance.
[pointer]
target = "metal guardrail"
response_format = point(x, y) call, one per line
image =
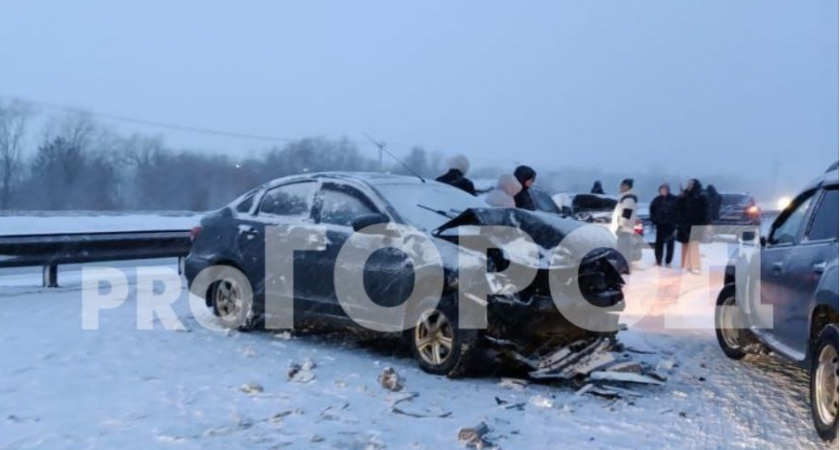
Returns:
point(51, 250)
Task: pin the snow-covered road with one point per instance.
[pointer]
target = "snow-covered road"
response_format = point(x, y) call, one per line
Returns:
point(121, 388)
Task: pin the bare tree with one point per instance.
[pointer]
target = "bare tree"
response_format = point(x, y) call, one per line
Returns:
point(13, 119)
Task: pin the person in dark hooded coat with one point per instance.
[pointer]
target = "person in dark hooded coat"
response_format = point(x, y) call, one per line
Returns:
point(714, 198)
point(597, 188)
point(692, 216)
point(663, 214)
point(459, 165)
point(526, 176)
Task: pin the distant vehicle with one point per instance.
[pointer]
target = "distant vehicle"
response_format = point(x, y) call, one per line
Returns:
point(593, 208)
point(798, 268)
point(346, 203)
point(644, 226)
point(738, 209)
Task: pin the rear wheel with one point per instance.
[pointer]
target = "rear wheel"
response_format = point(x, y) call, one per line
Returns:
point(232, 302)
point(439, 346)
point(728, 324)
point(824, 383)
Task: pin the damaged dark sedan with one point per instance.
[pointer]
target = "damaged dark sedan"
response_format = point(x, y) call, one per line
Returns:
point(522, 319)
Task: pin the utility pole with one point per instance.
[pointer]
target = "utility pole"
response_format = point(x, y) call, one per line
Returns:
point(381, 146)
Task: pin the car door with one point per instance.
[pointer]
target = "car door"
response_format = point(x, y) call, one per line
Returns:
point(386, 280)
point(804, 267)
point(785, 235)
point(287, 204)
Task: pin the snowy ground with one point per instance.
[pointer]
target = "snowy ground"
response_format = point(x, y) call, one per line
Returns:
point(62, 387)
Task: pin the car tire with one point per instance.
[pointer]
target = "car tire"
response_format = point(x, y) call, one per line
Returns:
point(727, 324)
point(439, 346)
point(824, 383)
point(225, 298)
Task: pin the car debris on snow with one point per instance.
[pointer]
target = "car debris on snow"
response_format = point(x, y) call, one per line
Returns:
point(579, 358)
point(624, 377)
point(516, 384)
point(625, 366)
point(285, 336)
point(391, 380)
point(302, 373)
point(663, 369)
point(251, 388)
point(474, 437)
point(541, 401)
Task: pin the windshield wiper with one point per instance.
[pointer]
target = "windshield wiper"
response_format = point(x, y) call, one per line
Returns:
point(437, 211)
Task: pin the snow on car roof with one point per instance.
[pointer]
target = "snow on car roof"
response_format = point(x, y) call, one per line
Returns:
point(371, 178)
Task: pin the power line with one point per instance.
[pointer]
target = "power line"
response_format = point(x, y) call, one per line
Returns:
point(153, 123)
point(183, 128)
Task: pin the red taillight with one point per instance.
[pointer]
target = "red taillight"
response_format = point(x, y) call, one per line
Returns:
point(194, 232)
point(639, 228)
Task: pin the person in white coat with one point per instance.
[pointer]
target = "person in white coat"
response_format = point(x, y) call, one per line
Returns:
point(624, 219)
point(502, 195)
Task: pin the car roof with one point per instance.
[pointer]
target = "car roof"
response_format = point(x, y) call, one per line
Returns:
point(370, 178)
point(830, 177)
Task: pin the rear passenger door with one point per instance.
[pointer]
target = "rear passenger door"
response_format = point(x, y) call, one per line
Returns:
point(804, 268)
point(288, 204)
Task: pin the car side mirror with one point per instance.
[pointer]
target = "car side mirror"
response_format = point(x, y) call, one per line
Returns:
point(763, 241)
point(365, 220)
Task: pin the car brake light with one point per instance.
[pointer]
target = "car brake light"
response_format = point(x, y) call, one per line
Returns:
point(639, 228)
point(194, 232)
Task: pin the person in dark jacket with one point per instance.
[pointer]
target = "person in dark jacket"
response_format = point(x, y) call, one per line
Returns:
point(597, 188)
point(663, 214)
point(526, 176)
point(459, 165)
point(714, 198)
point(692, 217)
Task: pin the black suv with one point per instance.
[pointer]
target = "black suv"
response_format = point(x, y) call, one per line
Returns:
point(798, 279)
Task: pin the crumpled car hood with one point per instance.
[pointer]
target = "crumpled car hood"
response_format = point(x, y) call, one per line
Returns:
point(548, 231)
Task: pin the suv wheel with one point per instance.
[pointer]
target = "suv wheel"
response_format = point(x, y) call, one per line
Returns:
point(439, 346)
point(824, 383)
point(728, 324)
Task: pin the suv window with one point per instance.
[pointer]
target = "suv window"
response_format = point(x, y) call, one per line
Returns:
point(291, 200)
point(824, 224)
point(341, 206)
point(788, 230)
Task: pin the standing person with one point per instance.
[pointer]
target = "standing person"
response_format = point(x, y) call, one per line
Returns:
point(526, 176)
point(504, 192)
point(624, 218)
point(597, 188)
point(692, 215)
point(459, 165)
point(714, 198)
point(663, 214)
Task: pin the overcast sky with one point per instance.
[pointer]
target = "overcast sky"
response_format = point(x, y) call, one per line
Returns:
point(699, 86)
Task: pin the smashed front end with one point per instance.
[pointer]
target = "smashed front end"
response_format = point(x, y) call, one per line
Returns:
point(574, 293)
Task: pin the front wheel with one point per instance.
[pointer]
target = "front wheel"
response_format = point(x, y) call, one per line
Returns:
point(439, 346)
point(824, 383)
point(728, 324)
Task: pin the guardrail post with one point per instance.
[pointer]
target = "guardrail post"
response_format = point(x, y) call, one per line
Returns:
point(50, 276)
